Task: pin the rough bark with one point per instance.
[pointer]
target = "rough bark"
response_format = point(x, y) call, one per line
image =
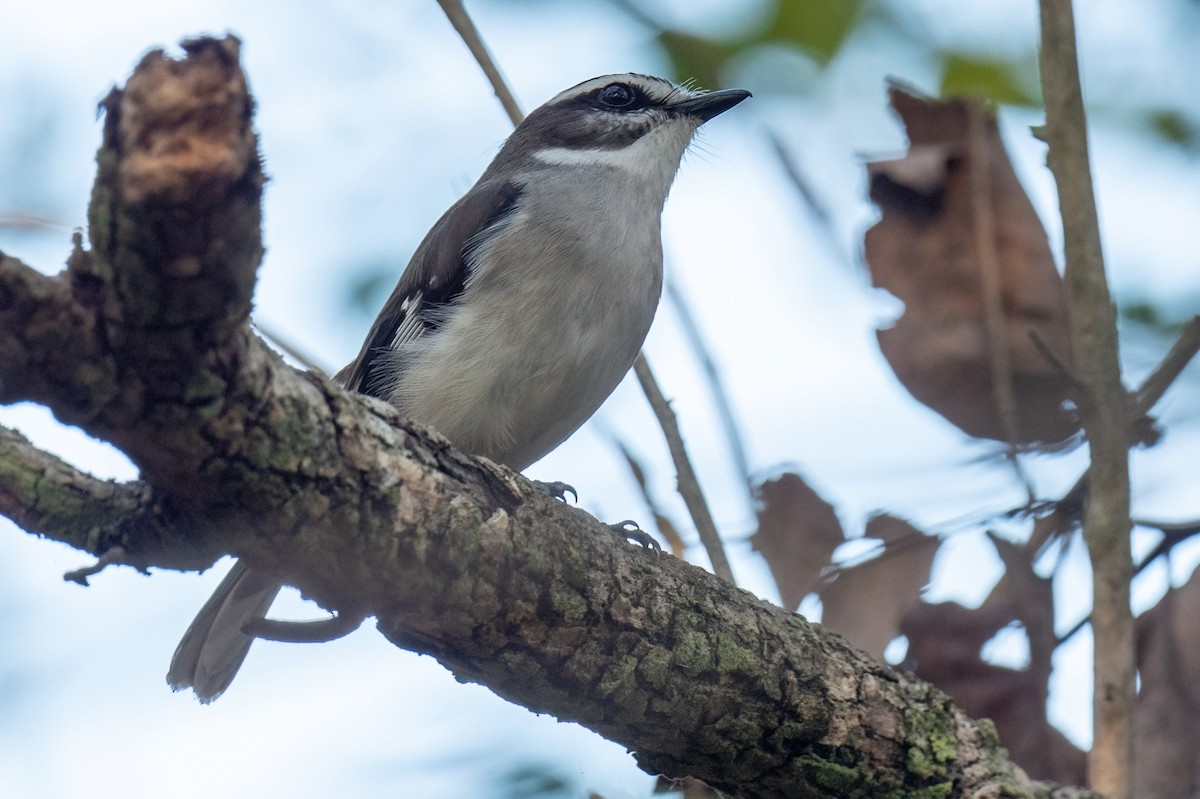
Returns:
point(144, 342)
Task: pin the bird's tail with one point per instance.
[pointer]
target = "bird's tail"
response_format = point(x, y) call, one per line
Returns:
point(214, 646)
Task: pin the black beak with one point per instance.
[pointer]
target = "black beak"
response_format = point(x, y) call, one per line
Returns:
point(707, 106)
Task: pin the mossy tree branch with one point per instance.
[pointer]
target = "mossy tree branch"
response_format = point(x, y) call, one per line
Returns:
point(331, 492)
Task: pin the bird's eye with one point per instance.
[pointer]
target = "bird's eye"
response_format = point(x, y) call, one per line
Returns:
point(616, 95)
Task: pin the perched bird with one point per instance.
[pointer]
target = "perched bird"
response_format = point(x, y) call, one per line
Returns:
point(521, 310)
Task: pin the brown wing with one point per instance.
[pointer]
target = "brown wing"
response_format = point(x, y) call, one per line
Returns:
point(435, 277)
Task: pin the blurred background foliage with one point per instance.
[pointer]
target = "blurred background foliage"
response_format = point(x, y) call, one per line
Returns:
point(348, 94)
point(734, 38)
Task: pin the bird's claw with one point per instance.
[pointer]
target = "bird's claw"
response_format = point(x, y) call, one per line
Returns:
point(557, 489)
point(629, 529)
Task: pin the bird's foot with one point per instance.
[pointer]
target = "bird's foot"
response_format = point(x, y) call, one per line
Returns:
point(629, 529)
point(557, 490)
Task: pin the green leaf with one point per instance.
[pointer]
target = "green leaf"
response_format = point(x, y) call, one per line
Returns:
point(998, 80)
point(1151, 316)
point(693, 57)
point(367, 290)
point(819, 27)
point(1175, 128)
point(536, 781)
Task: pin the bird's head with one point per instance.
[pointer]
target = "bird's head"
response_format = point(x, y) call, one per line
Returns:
point(635, 123)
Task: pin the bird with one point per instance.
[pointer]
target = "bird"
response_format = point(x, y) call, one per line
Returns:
point(520, 311)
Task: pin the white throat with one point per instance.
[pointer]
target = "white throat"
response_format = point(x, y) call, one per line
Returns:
point(651, 161)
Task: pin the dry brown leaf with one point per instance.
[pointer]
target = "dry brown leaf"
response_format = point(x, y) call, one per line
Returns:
point(866, 602)
point(797, 533)
point(924, 250)
point(1028, 599)
point(1167, 717)
point(1185, 628)
point(944, 643)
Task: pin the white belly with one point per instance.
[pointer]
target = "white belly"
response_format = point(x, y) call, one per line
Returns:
point(522, 369)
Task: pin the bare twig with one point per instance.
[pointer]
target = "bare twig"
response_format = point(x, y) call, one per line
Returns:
point(984, 230)
point(1103, 406)
point(800, 182)
point(1146, 396)
point(809, 197)
point(461, 20)
point(665, 526)
point(80, 576)
point(691, 331)
point(1056, 360)
point(689, 485)
point(991, 287)
point(1181, 354)
point(1174, 533)
point(20, 220)
point(294, 351)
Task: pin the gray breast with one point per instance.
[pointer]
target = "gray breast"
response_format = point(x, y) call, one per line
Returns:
point(552, 319)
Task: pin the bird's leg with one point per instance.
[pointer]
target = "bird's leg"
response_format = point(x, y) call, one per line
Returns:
point(304, 632)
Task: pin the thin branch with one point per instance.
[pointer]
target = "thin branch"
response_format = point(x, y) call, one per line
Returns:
point(716, 386)
point(984, 230)
point(801, 183)
point(808, 196)
point(43, 494)
point(1063, 368)
point(110, 557)
point(1174, 533)
point(662, 521)
point(461, 20)
point(21, 220)
point(689, 485)
point(294, 351)
point(1180, 355)
point(1103, 405)
point(1147, 395)
point(991, 288)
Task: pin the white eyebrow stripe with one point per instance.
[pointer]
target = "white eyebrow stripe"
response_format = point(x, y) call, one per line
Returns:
point(654, 87)
point(599, 156)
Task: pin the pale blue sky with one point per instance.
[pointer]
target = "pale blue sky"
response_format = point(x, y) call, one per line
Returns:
point(373, 119)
